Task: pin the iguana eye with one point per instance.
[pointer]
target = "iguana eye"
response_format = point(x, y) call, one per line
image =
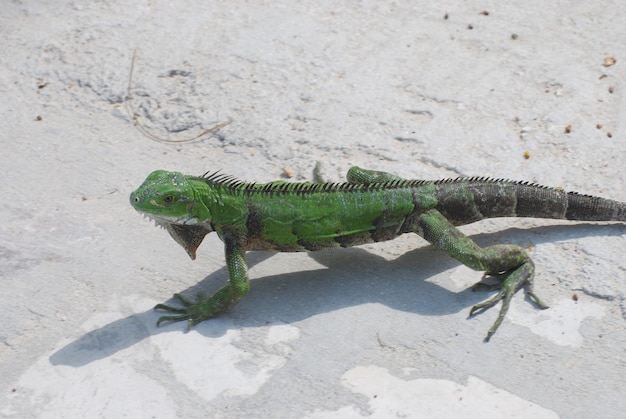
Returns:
point(168, 199)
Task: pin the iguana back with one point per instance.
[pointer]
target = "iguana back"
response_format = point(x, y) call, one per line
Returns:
point(312, 216)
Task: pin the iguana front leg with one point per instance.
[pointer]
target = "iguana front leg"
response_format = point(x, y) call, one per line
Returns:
point(204, 308)
point(510, 262)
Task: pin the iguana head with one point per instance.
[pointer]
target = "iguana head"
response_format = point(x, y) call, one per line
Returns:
point(169, 199)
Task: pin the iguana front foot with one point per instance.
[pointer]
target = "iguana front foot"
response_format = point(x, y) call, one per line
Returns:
point(204, 308)
point(192, 311)
point(512, 281)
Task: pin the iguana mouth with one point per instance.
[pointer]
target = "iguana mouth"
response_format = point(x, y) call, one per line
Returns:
point(164, 222)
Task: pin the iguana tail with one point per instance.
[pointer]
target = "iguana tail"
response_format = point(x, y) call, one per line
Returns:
point(467, 200)
point(593, 208)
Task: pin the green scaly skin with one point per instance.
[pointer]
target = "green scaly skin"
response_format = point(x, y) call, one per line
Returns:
point(371, 207)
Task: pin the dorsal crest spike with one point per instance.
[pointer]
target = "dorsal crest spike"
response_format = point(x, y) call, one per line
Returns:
point(488, 180)
point(220, 179)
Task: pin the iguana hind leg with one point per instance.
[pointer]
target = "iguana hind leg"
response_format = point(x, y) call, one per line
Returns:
point(510, 262)
point(359, 175)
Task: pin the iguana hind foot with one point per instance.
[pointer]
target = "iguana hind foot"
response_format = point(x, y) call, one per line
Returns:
point(511, 282)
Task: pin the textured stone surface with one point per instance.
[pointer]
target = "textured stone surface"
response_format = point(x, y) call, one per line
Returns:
point(387, 85)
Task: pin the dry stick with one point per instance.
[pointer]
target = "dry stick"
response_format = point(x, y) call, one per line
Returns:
point(145, 130)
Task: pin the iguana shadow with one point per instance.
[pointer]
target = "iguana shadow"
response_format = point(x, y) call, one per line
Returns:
point(351, 277)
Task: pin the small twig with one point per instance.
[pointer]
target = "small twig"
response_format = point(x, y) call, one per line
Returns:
point(380, 341)
point(145, 130)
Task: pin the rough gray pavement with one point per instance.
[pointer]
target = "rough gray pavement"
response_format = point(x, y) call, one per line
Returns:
point(525, 90)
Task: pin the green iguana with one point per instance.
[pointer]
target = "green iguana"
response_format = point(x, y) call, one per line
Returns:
point(371, 207)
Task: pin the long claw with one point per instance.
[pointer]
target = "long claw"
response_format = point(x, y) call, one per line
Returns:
point(171, 319)
point(485, 305)
point(535, 299)
point(173, 309)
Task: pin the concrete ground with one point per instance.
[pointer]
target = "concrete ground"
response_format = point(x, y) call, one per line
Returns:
point(524, 90)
